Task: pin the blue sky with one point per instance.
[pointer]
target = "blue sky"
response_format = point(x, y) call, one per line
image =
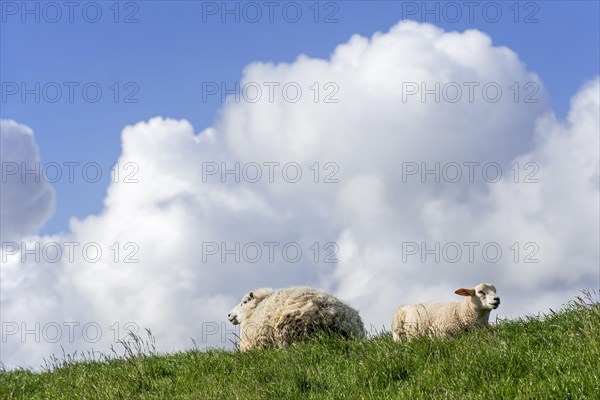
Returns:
point(170, 52)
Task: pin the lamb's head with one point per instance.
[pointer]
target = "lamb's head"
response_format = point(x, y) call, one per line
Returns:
point(248, 304)
point(482, 296)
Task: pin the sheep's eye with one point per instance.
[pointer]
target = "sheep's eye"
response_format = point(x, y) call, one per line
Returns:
point(481, 292)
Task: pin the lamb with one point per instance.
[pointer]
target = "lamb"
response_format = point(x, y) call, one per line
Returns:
point(270, 318)
point(445, 320)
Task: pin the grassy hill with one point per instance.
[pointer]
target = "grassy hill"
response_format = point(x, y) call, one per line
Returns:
point(556, 356)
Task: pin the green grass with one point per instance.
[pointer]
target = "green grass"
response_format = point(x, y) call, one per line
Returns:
point(556, 356)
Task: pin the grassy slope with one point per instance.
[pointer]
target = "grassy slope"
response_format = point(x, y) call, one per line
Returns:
point(557, 356)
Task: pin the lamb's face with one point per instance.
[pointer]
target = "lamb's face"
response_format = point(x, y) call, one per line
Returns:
point(236, 316)
point(485, 295)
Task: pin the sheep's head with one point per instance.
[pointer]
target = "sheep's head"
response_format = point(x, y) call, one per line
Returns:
point(483, 296)
point(246, 307)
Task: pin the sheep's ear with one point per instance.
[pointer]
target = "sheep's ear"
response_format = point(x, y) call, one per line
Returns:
point(465, 292)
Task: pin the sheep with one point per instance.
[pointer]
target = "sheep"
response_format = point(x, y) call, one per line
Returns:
point(445, 320)
point(270, 318)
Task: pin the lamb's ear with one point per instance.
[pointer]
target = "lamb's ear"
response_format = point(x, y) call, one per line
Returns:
point(465, 292)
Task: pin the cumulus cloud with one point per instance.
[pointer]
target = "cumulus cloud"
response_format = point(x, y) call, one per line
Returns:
point(547, 227)
point(27, 200)
point(364, 209)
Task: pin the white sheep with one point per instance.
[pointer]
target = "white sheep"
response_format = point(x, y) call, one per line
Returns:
point(446, 319)
point(271, 318)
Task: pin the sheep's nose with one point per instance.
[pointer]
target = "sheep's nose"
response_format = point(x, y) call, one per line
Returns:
point(497, 298)
point(229, 315)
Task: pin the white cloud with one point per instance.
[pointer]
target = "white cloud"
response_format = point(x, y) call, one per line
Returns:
point(559, 215)
point(369, 213)
point(27, 200)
